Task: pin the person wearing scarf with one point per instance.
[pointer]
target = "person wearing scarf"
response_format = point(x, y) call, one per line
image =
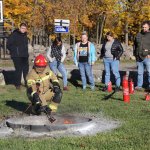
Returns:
point(56, 55)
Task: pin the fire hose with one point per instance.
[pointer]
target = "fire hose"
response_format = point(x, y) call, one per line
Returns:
point(109, 96)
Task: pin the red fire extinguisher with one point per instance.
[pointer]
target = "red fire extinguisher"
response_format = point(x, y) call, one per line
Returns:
point(131, 86)
point(109, 88)
point(125, 85)
point(147, 97)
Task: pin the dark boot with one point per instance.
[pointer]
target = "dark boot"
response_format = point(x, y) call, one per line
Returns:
point(18, 87)
point(104, 89)
point(117, 89)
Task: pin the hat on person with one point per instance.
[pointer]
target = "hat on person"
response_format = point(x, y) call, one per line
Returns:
point(40, 61)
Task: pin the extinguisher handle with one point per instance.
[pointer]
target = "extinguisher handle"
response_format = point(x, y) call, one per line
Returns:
point(127, 73)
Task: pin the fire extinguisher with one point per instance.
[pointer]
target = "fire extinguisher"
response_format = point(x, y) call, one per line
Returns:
point(109, 87)
point(147, 97)
point(125, 85)
point(131, 86)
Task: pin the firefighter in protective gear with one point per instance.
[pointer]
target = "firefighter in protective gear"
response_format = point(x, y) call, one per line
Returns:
point(43, 87)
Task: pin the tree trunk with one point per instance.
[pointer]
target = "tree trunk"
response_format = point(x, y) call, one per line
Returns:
point(126, 34)
point(102, 26)
point(83, 29)
point(97, 31)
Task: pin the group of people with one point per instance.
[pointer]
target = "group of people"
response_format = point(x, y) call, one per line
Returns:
point(42, 83)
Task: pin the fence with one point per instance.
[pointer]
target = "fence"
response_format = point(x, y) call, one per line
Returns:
point(3, 49)
point(40, 40)
point(6, 27)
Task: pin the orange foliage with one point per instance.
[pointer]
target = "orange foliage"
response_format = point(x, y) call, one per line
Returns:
point(40, 14)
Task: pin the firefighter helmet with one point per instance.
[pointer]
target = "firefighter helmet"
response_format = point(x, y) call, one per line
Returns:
point(40, 61)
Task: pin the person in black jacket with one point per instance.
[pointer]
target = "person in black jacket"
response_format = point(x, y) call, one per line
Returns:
point(111, 52)
point(142, 54)
point(17, 44)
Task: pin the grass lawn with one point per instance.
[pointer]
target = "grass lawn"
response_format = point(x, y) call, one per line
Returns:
point(134, 134)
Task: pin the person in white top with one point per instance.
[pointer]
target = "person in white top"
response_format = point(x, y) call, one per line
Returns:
point(56, 55)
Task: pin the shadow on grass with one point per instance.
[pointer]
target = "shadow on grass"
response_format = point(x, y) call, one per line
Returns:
point(99, 86)
point(75, 77)
point(20, 106)
point(118, 99)
point(9, 76)
point(132, 75)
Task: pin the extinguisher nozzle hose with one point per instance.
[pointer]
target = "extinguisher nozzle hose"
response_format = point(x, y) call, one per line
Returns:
point(109, 96)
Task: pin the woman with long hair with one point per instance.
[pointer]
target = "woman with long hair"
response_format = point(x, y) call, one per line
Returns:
point(56, 55)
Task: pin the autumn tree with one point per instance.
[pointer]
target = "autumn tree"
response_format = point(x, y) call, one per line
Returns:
point(123, 17)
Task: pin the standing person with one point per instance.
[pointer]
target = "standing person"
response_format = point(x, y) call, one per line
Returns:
point(56, 55)
point(84, 58)
point(17, 44)
point(142, 53)
point(111, 52)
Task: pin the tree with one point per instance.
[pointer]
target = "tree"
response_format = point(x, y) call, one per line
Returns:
point(123, 17)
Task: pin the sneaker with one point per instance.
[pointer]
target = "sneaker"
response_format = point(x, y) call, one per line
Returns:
point(138, 88)
point(117, 89)
point(104, 89)
point(65, 88)
point(18, 87)
point(84, 88)
point(92, 88)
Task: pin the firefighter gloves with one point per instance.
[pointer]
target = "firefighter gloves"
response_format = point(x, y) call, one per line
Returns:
point(58, 94)
point(36, 99)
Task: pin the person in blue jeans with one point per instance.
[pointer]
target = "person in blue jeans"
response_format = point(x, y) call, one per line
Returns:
point(111, 52)
point(142, 53)
point(84, 58)
point(56, 55)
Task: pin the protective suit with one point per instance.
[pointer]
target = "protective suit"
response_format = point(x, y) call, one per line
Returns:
point(43, 87)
